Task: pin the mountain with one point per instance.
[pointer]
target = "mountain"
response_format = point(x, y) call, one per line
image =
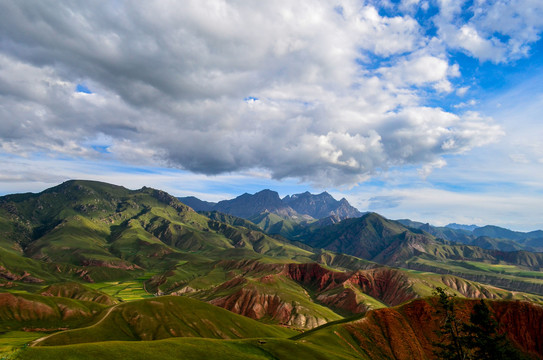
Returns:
point(366, 237)
point(375, 238)
point(91, 261)
point(321, 206)
point(197, 204)
point(288, 217)
point(247, 205)
point(297, 207)
point(95, 231)
point(488, 237)
point(276, 225)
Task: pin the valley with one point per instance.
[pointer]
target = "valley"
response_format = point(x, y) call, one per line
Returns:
point(86, 263)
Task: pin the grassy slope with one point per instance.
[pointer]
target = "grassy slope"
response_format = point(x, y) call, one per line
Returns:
point(402, 333)
point(12, 341)
point(78, 291)
point(92, 224)
point(507, 276)
point(22, 310)
point(188, 349)
point(178, 247)
point(165, 317)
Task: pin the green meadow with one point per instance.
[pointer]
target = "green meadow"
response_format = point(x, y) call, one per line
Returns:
point(126, 290)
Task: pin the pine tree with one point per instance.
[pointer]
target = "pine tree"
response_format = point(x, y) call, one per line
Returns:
point(479, 339)
point(483, 339)
point(451, 346)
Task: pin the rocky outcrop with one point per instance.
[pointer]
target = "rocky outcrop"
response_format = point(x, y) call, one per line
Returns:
point(321, 206)
point(257, 305)
point(313, 274)
point(248, 205)
point(390, 286)
point(24, 277)
point(344, 300)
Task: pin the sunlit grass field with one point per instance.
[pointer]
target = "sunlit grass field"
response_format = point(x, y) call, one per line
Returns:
point(126, 290)
point(12, 341)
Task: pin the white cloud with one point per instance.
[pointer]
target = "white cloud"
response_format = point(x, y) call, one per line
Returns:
point(462, 91)
point(427, 169)
point(419, 71)
point(497, 31)
point(170, 79)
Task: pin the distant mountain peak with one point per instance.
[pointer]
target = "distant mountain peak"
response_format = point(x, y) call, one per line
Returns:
point(267, 193)
point(298, 206)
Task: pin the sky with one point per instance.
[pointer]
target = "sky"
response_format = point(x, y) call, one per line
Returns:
point(421, 109)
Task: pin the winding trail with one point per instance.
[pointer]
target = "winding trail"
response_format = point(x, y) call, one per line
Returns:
point(37, 341)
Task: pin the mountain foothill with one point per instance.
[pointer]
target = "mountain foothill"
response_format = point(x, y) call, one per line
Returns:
point(90, 269)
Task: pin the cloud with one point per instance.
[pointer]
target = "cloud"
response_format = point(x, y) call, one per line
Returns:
point(384, 202)
point(300, 90)
point(421, 71)
point(497, 31)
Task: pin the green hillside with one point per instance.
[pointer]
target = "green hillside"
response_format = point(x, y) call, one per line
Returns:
point(407, 332)
point(188, 349)
point(88, 261)
point(20, 311)
point(165, 317)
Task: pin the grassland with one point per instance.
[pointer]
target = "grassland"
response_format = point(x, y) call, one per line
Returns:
point(131, 245)
point(188, 349)
point(12, 341)
point(127, 290)
point(165, 317)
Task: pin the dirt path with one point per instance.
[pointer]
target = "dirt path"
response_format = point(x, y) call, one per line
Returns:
point(35, 342)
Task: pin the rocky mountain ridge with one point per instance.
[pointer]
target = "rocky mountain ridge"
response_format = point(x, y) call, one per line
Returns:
point(298, 207)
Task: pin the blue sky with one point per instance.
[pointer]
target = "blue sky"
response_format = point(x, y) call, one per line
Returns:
point(429, 110)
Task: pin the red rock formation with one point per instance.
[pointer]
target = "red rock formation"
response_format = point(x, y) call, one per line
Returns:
point(315, 275)
point(25, 277)
point(390, 286)
point(345, 300)
point(523, 322)
point(409, 332)
point(251, 303)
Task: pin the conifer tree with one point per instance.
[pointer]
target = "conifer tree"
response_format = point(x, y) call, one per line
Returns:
point(451, 346)
point(483, 339)
point(478, 339)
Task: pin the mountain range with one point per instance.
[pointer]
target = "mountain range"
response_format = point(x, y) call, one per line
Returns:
point(299, 207)
point(488, 236)
point(86, 262)
point(294, 214)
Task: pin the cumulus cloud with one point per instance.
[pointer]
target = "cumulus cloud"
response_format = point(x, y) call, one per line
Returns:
point(421, 71)
point(170, 82)
point(496, 31)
